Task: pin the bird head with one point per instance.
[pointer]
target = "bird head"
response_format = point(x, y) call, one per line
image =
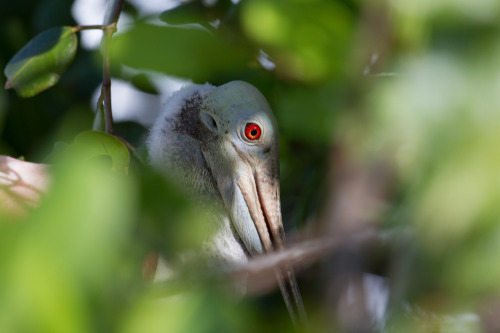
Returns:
point(223, 142)
point(242, 152)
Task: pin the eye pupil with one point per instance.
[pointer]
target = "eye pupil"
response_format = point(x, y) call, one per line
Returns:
point(252, 131)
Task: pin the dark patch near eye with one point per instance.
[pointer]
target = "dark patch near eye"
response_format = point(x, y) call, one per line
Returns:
point(267, 150)
point(226, 132)
point(209, 121)
point(188, 121)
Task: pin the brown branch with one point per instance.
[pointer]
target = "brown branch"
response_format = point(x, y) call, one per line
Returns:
point(259, 272)
point(106, 80)
point(89, 27)
point(110, 28)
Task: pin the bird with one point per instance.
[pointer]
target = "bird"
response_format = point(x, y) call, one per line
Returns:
point(222, 143)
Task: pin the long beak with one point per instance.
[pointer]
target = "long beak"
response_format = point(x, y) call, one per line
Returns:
point(261, 192)
point(252, 199)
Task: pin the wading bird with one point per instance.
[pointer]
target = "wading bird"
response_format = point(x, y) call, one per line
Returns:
point(223, 143)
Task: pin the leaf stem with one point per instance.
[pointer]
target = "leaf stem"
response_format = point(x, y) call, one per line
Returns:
point(106, 81)
point(89, 27)
point(110, 28)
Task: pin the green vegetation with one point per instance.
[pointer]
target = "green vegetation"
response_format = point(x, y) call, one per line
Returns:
point(389, 122)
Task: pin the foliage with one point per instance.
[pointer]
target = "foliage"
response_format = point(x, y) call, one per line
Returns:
point(39, 64)
point(202, 58)
point(388, 115)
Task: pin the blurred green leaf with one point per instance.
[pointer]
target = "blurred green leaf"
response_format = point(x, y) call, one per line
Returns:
point(202, 13)
point(65, 266)
point(306, 113)
point(197, 311)
point(93, 144)
point(40, 64)
point(171, 222)
point(186, 51)
point(307, 40)
point(184, 13)
point(144, 84)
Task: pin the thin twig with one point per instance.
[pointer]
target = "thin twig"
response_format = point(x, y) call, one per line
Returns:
point(114, 12)
point(110, 28)
point(106, 80)
point(89, 27)
point(105, 97)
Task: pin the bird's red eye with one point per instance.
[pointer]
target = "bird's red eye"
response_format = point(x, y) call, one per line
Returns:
point(252, 131)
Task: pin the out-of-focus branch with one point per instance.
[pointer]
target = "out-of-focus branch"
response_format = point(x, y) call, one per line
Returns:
point(259, 273)
point(89, 27)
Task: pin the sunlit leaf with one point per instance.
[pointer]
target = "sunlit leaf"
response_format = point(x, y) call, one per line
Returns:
point(306, 39)
point(192, 312)
point(40, 64)
point(93, 144)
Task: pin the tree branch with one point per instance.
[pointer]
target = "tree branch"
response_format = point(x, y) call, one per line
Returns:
point(110, 21)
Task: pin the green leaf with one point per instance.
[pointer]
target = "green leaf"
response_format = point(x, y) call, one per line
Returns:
point(99, 145)
point(186, 51)
point(75, 243)
point(41, 62)
point(144, 84)
point(307, 40)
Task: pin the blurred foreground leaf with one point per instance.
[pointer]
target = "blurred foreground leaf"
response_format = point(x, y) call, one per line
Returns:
point(437, 124)
point(186, 51)
point(306, 39)
point(63, 269)
point(200, 310)
point(93, 144)
point(171, 223)
point(40, 64)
